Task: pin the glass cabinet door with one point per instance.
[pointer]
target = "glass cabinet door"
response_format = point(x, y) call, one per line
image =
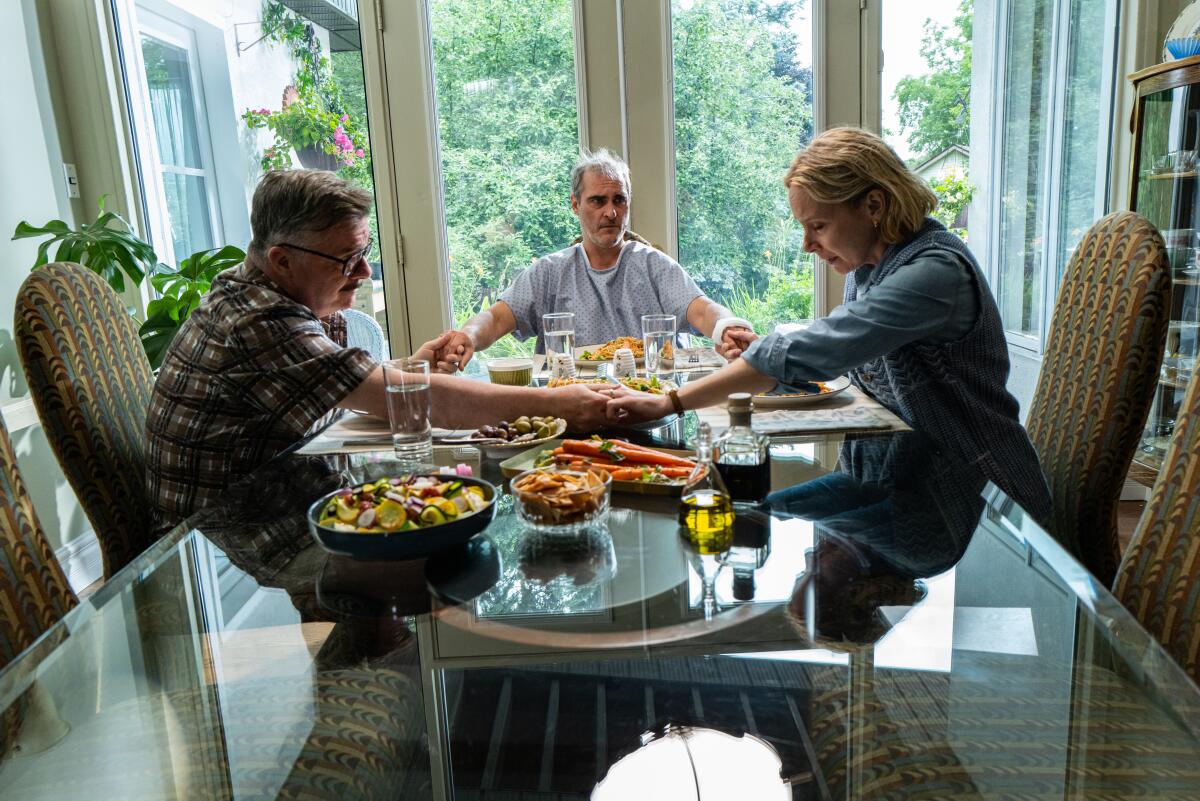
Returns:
point(1167, 183)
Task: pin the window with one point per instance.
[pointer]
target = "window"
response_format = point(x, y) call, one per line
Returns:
point(184, 160)
point(506, 100)
point(1056, 61)
point(221, 93)
point(743, 107)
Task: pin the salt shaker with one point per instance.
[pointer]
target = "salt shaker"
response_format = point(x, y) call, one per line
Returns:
point(623, 364)
point(562, 366)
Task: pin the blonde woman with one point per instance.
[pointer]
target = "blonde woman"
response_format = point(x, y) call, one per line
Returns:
point(918, 330)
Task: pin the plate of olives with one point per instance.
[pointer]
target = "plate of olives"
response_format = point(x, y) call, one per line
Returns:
point(505, 437)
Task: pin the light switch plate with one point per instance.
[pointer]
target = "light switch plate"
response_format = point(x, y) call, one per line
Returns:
point(72, 180)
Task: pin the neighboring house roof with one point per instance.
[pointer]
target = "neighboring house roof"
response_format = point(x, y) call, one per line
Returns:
point(931, 164)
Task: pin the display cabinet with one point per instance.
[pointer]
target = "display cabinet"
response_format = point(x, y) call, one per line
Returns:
point(1165, 188)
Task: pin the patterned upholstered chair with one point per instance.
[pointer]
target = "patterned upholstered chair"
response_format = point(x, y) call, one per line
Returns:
point(1097, 380)
point(1159, 578)
point(34, 593)
point(91, 383)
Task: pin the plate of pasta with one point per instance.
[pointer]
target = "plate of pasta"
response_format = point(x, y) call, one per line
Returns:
point(595, 355)
point(790, 400)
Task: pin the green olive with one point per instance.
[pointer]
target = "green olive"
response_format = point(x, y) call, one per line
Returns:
point(522, 426)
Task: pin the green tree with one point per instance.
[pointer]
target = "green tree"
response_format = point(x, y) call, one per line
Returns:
point(935, 109)
point(743, 107)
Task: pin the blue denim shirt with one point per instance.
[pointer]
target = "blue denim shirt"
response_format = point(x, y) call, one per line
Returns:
point(933, 298)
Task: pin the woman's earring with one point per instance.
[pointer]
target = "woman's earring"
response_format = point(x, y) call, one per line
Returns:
point(876, 224)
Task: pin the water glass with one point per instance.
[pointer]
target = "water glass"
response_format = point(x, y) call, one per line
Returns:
point(558, 330)
point(408, 402)
point(657, 331)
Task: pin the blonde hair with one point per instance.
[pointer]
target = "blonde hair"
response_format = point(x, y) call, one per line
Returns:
point(842, 165)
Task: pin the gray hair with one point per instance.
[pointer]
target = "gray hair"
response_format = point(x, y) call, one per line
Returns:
point(602, 161)
point(291, 202)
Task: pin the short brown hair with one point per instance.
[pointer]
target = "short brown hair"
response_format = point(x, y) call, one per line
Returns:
point(290, 202)
point(842, 165)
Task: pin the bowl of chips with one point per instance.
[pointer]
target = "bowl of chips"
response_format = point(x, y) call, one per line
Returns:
point(559, 500)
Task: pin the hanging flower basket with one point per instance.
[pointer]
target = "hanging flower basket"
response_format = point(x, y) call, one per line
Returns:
point(313, 158)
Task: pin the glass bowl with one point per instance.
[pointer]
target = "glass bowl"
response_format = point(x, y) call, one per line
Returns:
point(558, 500)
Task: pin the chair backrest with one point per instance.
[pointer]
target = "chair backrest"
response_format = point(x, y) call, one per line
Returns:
point(363, 332)
point(91, 384)
point(1098, 377)
point(1159, 577)
point(34, 593)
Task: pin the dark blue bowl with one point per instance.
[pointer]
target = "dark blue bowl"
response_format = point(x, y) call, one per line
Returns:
point(404, 544)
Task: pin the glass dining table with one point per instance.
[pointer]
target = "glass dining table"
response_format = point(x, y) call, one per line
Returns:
point(888, 625)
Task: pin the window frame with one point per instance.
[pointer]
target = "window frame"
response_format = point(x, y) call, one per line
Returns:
point(1052, 152)
point(150, 22)
point(633, 117)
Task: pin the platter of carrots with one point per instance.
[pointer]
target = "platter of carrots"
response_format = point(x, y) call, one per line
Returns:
point(634, 468)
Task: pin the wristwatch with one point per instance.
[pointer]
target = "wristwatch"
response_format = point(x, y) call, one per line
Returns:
point(676, 403)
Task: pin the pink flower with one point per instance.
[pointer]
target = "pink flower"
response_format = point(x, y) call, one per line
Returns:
point(345, 118)
point(359, 153)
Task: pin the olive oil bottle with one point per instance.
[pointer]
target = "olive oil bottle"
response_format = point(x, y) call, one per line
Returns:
point(706, 510)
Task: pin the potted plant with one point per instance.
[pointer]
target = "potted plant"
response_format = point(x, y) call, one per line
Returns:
point(109, 247)
point(322, 139)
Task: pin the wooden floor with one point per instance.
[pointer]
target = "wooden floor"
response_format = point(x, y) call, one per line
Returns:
point(1128, 513)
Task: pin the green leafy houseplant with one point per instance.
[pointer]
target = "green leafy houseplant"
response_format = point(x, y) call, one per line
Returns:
point(181, 290)
point(109, 251)
point(113, 253)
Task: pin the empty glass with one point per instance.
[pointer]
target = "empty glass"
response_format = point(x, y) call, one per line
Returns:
point(658, 331)
point(409, 412)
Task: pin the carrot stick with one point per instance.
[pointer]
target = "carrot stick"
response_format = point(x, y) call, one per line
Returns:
point(631, 472)
point(634, 455)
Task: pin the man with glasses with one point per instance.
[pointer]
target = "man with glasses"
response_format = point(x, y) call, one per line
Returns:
point(263, 361)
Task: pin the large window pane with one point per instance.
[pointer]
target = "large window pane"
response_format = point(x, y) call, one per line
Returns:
point(1085, 136)
point(926, 88)
point(176, 135)
point(743, 107)
point(1024, 164)
point(220, 96)
point(505, 79)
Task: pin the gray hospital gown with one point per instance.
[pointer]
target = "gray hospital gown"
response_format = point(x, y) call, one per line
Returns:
point(607, 303)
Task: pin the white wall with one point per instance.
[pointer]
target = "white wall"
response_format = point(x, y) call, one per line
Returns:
point(31, 189)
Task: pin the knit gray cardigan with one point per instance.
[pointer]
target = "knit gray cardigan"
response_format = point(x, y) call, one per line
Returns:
point(955, 391)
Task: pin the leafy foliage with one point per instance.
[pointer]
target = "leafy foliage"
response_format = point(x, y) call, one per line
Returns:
point(181, 291)
point(107, 246)
point(935, 109)
point(954, 193)
point(314, 115)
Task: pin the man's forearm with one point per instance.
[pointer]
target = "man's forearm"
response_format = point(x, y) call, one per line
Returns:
point(467, 403)
point(488, 326)
point(703, 314)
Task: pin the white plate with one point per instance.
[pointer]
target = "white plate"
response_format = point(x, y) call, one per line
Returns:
point(581, 362)
point(505, 449)
point(836, 386)
point(1186, 24)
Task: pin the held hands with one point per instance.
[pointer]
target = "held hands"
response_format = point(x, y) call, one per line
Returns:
point(581, 405)
point(440, 352)
point(734, 340)
point(627, 406)
point(457, 352)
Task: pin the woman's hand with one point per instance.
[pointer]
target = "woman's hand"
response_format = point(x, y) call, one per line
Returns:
point(581, 405)
point(628, 406)
point(734, 341)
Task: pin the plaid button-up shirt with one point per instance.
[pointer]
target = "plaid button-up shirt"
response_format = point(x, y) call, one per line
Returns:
point(250, 373)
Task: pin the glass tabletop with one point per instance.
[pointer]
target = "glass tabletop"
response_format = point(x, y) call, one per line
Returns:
point(887, 624)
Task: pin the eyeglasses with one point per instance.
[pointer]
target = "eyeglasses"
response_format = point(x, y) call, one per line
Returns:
point(348, 264)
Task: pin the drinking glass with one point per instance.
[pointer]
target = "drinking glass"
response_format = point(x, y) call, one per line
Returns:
point(408, 402)
point(558, 330)
point(657, 331)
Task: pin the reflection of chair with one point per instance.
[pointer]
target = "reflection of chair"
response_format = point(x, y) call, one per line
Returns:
point(1159, 578)
point(363, 332)
point(34, 593)
point(1097, 380)
point(90, 381)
